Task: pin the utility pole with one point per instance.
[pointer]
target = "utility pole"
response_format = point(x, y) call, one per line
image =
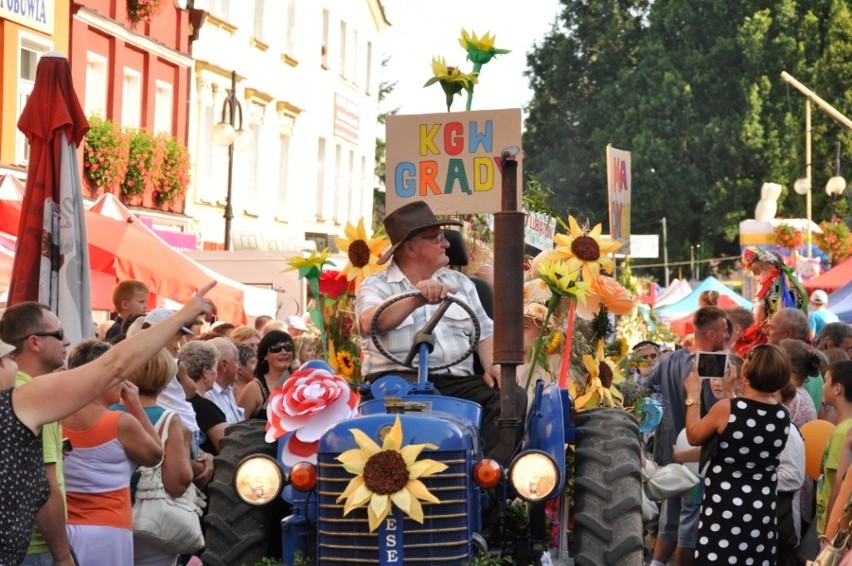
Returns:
point(665, 252)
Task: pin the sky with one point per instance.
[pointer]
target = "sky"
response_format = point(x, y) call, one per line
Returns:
point(420, 31)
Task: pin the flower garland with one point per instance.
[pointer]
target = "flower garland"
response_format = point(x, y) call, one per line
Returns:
point(788, 237)
point(835, 240)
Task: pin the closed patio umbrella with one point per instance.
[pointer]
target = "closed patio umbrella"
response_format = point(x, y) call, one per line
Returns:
point(51, 258)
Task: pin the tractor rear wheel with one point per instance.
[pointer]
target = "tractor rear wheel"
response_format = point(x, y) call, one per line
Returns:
point(236, 532)
point(607, 489)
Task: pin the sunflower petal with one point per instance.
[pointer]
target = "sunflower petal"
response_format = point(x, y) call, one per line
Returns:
point(416, 511)
point(393, 440)
point(366, 443)
point(425, 468)
point(351, 487)
point(402, 499)
point(353, 461)
point(418, 489)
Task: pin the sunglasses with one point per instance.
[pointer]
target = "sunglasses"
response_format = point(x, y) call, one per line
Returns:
point(58, 334)
point(436, 238)
point(285, 346)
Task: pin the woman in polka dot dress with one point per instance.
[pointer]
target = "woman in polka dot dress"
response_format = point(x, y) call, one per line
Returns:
point(738, 520)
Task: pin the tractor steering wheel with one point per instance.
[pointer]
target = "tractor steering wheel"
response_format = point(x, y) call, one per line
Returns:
point(427, 330)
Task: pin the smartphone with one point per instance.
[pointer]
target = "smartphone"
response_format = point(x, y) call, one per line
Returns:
point(712, 364)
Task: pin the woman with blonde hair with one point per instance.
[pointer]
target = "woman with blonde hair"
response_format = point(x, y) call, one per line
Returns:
point(151, 379)
point(108, 445)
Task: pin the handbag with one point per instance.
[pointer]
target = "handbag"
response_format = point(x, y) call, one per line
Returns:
point(171, 524)
point(671, 480)
point(834, 552)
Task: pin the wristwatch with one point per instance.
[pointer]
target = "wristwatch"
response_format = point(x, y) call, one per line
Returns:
point(691, 402)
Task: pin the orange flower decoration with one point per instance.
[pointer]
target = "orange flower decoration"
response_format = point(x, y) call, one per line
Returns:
point(607, 292)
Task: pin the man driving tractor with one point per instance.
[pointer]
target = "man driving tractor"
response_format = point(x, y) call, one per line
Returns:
point(419, 261)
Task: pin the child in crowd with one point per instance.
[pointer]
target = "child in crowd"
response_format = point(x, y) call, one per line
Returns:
point(129, 297)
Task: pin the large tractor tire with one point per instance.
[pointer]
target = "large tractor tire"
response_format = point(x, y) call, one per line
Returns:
point(607, 489)
point(238, 533)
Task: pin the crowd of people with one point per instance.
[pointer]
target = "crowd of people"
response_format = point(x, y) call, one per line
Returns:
point(76, 429)
point(79, 419)
point(788, 364)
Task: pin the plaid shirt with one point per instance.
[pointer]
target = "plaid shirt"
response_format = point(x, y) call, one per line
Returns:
point(452, 334)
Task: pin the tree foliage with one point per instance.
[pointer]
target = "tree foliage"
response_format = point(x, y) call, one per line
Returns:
point(694, 91)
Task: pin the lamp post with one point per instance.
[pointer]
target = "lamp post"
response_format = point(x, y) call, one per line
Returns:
point(803, 186)
point(225, 134)
point(836, 185)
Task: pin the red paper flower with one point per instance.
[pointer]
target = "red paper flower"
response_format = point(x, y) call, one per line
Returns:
point(332, 285)
point(310, 401)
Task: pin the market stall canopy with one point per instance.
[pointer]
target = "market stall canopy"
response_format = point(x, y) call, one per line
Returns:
point(127, 249)
point(11, 188)
point(840, 303)
point(689, 304)
point(833, 279)
point(677, 289)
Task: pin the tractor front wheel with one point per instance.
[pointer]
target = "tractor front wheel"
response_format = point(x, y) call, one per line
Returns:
point(607, 489)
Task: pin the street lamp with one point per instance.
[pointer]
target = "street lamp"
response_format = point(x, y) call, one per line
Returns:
point(224, 134)
point(836, 185)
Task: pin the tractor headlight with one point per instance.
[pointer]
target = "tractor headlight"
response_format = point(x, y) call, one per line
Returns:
point(258, 480)
point(534, 475)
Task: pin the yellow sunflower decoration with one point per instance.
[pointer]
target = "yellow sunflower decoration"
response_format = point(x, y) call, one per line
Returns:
point(363, 252)
point(390, 474)
point(584, 249)
point(563, 280)
point(603, 374)
point(451, 79)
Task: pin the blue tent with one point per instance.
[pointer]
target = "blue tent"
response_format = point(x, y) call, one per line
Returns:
point(840, 303)
point(689, 304)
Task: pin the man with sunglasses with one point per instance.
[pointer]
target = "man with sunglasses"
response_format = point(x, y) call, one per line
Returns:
point(419, 261)
point(40, 348)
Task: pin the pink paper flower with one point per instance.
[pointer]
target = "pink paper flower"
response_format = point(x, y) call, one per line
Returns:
point(310, 401)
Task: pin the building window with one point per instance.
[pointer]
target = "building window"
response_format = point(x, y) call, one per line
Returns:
point(320, 178)
point(344, 67)
point(259, 19)
point(354, 62)
point(289, 38)
point(96, 84)
point(283, 173)
point(325, 33)
point(254, 159)
point(212, 182)
point(354, 192)
point(29, 54)
point(131, 101)
point(221, 9)
point(368, 69)
point(163, 103)
point(339, 185)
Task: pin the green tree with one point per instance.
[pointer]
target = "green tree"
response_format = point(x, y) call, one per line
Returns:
point(694, 91)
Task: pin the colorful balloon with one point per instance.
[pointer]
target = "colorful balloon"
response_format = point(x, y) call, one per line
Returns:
point(816, 434)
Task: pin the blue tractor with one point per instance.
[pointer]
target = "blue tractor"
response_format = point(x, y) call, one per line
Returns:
point(248, 519)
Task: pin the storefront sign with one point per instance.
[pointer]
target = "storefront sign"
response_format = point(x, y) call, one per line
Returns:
point(36, 14)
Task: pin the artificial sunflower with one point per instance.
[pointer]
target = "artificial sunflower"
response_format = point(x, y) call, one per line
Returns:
point(310, 266)
point(603, 374)
point(390, 474)
point(480, 50)
point(452, 80)
point(345, 363)
point(363, 252)
point(584, 249)
point(563, 281)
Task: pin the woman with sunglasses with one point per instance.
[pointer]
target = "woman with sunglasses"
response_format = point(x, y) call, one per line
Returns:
point(275, 354)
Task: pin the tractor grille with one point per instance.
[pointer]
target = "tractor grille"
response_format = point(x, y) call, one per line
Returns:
point(443, 538)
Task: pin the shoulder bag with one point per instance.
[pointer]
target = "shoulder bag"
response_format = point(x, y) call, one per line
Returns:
point(835, 550)
point(172, 524)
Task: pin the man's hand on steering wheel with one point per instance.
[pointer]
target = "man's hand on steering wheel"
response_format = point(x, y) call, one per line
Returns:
point(434, 291)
